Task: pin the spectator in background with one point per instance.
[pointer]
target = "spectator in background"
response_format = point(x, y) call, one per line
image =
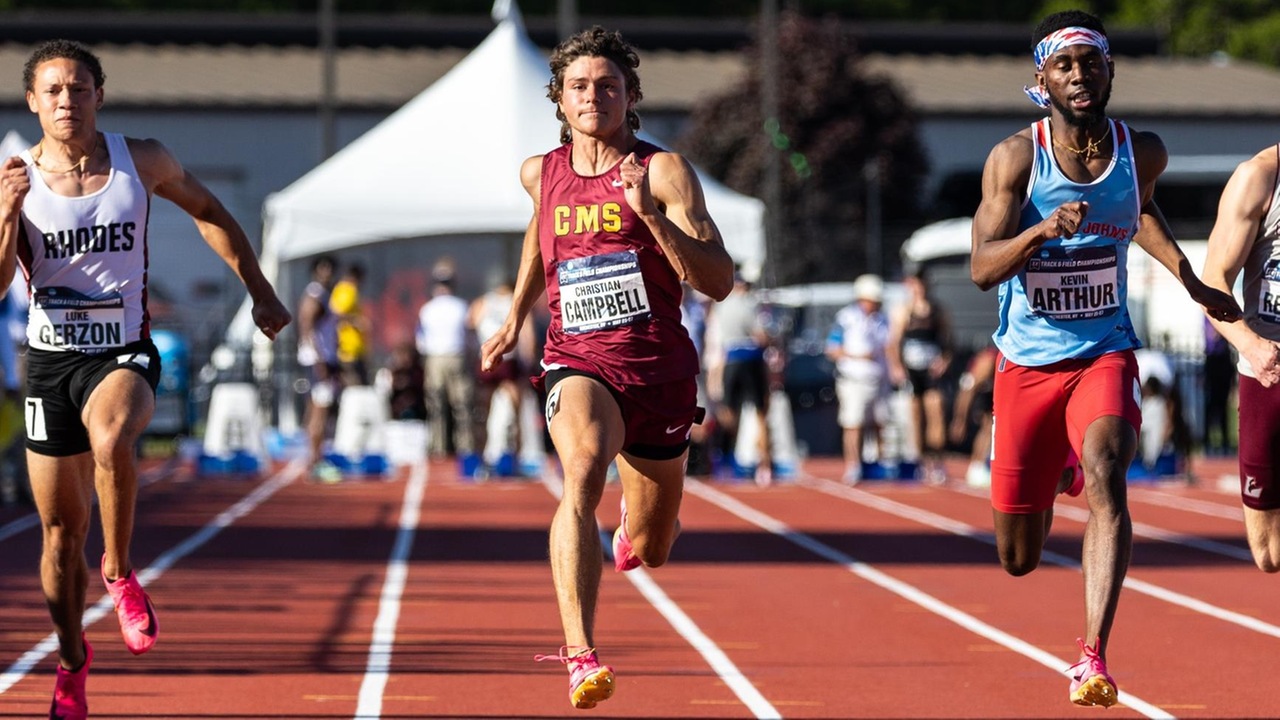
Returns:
point(14, 487)
point(972, 409)
point(498, 388)
point(318, 357)
point(693, 316)
point(352, 327)
point(736, 330)
point(857, 346)
point(1160, 408)
point(1219, 381)
point(406, 383)
point(450, 386)
point(919, 354)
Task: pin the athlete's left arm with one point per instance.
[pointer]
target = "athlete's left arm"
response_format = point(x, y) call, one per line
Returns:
point(668, 197)
point(163, 175)
point(1155, 237)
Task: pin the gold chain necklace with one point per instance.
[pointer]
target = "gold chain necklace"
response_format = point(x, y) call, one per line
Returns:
point(1090, 149)
point(82, 164)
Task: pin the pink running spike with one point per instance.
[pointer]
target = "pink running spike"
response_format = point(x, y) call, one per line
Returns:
point(590, 682)
point(137, 615)
point(623, 557)
point(69, 699)
point(1090, 683)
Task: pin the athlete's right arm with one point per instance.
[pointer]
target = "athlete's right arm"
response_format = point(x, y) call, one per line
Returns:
point(1244, 203)
point(999, 250)
point(14, 184)
point(530, 280)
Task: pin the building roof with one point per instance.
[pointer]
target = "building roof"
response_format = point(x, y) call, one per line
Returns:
point(1150, 85)
point(384, 78)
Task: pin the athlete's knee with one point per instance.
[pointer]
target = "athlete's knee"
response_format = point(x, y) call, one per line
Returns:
point(112, 447)
point(1266, 560)
point(585, 466)
point(652, 548)
point(1018, 559)
point(1019, 565)
point(64, 544)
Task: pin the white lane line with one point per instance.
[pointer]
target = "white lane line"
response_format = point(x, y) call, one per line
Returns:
point(30, 520)
point(902, 589)
point(13, 527)
point(1195, 505)
point(166, 560)
point(378, 667)
point(892, 507)
point(687, 628)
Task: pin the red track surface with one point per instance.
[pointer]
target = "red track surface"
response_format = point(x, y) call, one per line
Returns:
point(872, 606)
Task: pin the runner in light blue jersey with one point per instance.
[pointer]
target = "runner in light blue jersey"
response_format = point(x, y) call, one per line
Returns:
point(1061, 201)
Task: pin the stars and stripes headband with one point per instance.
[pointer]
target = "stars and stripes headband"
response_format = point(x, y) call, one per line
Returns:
point(1055, 41)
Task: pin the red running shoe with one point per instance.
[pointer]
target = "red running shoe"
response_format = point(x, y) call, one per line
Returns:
point(590, 682)
point(137, 615)
point(1090, 683)
point(69, 699)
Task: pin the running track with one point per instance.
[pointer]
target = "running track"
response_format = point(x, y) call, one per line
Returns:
point(426, 597)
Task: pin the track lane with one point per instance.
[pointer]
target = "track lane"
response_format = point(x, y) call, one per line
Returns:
point(1223, 699)
point(816, 640)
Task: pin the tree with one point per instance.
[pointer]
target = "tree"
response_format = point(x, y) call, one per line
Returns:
point(1244, 29)
point(833, 121)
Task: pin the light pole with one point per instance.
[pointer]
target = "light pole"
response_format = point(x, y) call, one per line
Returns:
point(773, 158)
point(871, 173)
point(566, 18)
point(328, 78)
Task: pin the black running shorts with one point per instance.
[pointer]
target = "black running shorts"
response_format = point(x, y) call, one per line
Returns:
point(59, 385)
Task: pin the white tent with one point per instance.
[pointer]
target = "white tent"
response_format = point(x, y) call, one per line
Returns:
point(447, 164)
point(12, 144)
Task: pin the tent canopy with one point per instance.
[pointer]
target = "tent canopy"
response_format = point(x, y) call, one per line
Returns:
point(447, 163)
point(12, 144)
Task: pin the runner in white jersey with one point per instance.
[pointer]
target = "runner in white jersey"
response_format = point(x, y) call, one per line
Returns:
point(73, 213)
point(1246, 237)
point(1061, 201)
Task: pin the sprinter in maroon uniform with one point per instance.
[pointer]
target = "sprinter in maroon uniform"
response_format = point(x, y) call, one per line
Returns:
point(617, 225)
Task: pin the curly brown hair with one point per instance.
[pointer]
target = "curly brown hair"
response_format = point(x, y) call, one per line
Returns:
point(68, 49)
point(595, 42)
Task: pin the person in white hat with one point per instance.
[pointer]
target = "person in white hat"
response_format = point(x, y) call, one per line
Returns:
point(857, 346)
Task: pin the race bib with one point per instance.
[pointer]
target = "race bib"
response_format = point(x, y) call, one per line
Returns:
point(64, 319)
point(1269, 293)
point(1074, 284)
point(601, 291)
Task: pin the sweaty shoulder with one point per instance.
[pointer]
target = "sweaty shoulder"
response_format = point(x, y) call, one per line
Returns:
point(668, 164)
point(155, 164)
point(1150, 154)
point(1010, 160)
point(1262, 167)
point(531, 176)
point(1017, 148)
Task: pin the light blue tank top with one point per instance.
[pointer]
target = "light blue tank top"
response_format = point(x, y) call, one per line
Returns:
point(1070, 299)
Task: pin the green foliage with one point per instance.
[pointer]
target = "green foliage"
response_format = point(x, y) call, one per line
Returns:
point(1049, 7)
point(832, 121)
point(1258, 40)
point(1246, 29)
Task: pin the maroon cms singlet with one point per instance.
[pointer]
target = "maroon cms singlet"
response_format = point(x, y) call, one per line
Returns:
point(614, 297)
